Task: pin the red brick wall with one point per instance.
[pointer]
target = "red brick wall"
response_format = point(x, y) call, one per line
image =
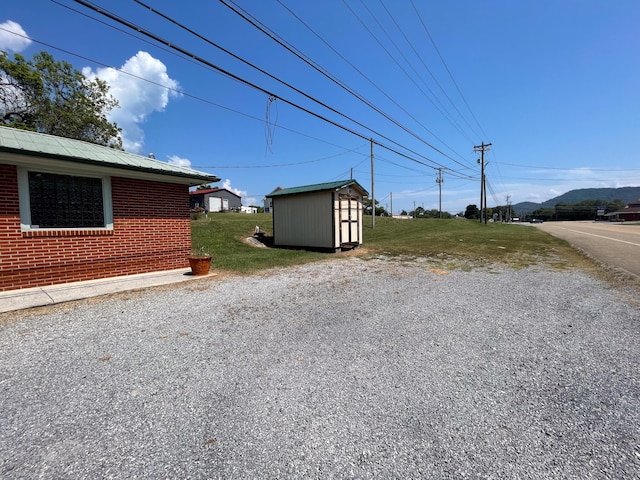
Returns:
point(151, 232)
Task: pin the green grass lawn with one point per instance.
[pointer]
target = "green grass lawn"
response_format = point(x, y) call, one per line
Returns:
point(456, 243)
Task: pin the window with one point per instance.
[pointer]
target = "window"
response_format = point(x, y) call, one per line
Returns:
point(64, 201)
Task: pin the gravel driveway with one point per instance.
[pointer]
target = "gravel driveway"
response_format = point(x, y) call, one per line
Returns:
point(348, 368)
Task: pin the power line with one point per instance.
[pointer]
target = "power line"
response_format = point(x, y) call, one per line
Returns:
point(265, 91)
point(364, 25)
point(258, 25)
point(417, 54)
point(363, 75)
point(278, 165)
point(447, 68)
point(444, 113)
point(178, 91)
point(264, 72)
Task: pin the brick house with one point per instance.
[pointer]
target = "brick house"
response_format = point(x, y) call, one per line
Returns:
point(72, 211)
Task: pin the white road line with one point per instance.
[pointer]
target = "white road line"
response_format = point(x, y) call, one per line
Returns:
point(600, 236)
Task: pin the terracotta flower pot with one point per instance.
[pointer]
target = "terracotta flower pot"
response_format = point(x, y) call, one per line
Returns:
point(200, 265)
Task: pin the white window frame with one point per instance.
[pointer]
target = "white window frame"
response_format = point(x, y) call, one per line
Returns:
point(25, 199)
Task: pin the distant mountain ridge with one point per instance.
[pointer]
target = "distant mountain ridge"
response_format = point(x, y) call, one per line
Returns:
point(626, 194)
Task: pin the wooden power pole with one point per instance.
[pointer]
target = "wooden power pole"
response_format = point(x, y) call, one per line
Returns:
point(439, 181)
point(483, 147)
point(373, 198)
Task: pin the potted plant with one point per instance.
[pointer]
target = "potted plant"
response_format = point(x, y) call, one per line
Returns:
point(200, 262)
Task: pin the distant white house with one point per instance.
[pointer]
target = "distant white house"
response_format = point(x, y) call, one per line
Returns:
point(249, 209)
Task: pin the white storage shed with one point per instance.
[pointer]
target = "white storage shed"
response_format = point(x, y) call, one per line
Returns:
point(325, 216)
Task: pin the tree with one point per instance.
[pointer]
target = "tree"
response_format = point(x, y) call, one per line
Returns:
point(472, 212)
point(366, 205)
point(505, 212)
point(49, 96)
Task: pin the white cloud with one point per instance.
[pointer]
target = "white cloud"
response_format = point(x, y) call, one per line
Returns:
point(13, 37)
point(137, 98)
point(242, 193)
point(181, 162)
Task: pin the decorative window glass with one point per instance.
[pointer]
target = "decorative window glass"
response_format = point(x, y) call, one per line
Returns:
point(65, 201)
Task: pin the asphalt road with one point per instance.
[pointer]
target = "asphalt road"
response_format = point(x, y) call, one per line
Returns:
point(613, 244)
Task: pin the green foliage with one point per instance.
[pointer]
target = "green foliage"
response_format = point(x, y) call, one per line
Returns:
point(583, 210)
point(366, 205)
point(503, 212)
point(472, 212)
point(433, 213)
point(49, 96)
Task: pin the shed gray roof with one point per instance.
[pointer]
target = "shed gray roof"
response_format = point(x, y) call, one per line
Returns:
point(23, 142)
point(318, 187)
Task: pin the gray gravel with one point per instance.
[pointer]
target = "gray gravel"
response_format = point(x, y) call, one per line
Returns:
point(349, 368)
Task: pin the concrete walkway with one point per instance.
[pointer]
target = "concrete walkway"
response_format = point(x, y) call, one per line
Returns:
point(49, 295)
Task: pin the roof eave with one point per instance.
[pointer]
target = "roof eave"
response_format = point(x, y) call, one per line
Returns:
point(193, 179)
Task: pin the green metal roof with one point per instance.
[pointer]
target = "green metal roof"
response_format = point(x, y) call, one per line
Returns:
point(23, 142)
point(318, 187)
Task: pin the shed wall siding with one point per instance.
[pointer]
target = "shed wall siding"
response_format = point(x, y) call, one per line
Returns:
point(151, 232)
point(304, 220)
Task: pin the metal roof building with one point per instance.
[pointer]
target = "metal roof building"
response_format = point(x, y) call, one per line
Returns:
point(73, 211)
point(325, 216)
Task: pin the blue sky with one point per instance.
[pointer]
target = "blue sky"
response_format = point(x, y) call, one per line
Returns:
point(553, 85)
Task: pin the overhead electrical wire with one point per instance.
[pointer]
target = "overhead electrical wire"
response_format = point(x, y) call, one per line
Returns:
point(433, 100)
point(278, 39)
point(265, 91)
point(178, 91)
point(364, 25)
point(262, 28)
point(424, 26)
point(206, 101)
point(278, 165)
point(424, 64)
point(262, 71)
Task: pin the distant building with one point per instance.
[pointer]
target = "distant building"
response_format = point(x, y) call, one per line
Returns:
point(72, 211)
point(268, 202)
point(214, 200)
point(630, 213)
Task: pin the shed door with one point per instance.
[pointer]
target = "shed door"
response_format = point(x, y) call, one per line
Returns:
point(349, 218)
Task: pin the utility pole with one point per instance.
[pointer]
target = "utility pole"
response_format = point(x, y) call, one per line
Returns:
point(439, 181)
point(508, 209)
point(483, 147)
point(391, 200)
point(373, 198)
